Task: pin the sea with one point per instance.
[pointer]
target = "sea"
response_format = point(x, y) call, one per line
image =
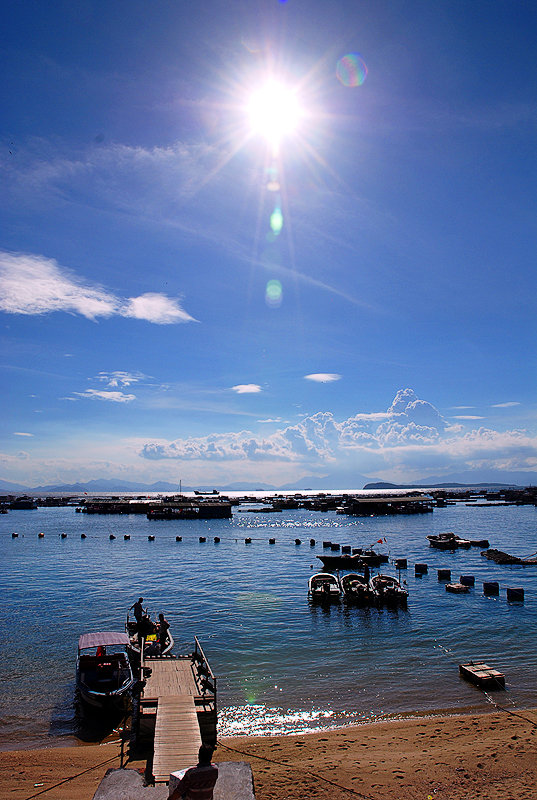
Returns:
point(283, 664)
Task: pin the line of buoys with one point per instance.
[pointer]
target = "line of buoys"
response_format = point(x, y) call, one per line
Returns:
point(248, 540)
point(298, 541)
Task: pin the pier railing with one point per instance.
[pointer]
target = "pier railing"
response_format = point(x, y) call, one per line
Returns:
point(208, 679)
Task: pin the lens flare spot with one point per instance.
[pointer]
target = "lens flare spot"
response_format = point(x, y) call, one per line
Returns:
point(274, 294)
point(351, 70)
point(276, 221)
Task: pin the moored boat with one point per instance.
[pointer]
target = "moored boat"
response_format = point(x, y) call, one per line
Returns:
point(448, 541)
point(342, 562)
point(356, 589)
point(388, 590)
point(147, 632)
point(324, 588)
point(482, 675)
point(104, 676)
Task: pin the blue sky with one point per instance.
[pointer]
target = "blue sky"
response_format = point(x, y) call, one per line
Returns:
point(184, 297)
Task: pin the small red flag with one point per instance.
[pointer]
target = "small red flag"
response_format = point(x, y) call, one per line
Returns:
point(379, 541)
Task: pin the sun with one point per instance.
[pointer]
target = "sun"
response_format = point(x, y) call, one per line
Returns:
point(274, 112)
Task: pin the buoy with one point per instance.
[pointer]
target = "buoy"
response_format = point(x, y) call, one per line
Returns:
point(203, 539)
point(467, 580)
point(63, 535)
point(216, 539)
point(127, 536)
point(40, 535)
point(327, 544)
point(444, 574)
point(82, 535)
point(335, 547)
point(312, 542)
point(14, 535)
point(420, 569)
point(248, 540)
point(491, 588)
point(346, 548)
point(515, 595)
point(298, 541)
point(272, 541)
point(112, 536)
point(151, 538)
point(401, 563)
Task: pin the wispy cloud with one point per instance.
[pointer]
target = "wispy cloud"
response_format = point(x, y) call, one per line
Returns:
point(246, 388)
point(467, 416)
point(34, 284)
point(323, 377)
point(266, 421)
point(509, 404)
point(112, 397)
point(119, 378)
point(21, 433)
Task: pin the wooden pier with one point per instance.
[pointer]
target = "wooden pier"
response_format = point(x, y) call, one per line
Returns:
point(177, 708)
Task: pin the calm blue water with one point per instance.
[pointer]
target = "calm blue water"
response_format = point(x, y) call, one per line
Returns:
point(282, 665)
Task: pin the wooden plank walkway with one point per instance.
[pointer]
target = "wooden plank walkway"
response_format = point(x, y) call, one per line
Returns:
point(169, 677)
point(177, 735)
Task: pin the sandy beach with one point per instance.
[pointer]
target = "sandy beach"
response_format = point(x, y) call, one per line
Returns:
point(472, 756)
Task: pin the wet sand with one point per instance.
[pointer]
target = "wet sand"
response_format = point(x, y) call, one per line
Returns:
point(475, 756)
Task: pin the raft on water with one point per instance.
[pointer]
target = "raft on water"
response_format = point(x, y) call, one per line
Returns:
point(482, 675)
point(499, 557)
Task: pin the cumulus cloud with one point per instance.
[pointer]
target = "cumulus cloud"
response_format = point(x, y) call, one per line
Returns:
point(246, 388)
point(33, 284)
point(112, 397)
point(323, 377)
point(410, 433)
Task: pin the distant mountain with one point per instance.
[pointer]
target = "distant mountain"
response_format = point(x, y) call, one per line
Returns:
point(338, 479)
point(483, 476)
point(383, 485)
point(7, 486)
point(108, 485)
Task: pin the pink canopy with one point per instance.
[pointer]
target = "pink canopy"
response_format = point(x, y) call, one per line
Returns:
point(103, 639)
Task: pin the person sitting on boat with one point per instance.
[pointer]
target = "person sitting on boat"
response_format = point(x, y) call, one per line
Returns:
point(146, 627)
point(198, 782)
point(138, 610)
point(163, 627)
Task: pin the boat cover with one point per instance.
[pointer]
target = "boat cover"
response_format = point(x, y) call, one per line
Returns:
point(102, 639)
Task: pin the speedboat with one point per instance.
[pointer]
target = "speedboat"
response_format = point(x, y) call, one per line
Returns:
point(149, 636)
point(388, 589)
point(356, 589)
point(104, 676)
point(448, 541)
point(324, 587)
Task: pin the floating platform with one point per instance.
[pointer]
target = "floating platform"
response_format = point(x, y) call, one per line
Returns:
point(482, 675)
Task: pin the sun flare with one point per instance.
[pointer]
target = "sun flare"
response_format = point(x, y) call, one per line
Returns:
point(274, 112)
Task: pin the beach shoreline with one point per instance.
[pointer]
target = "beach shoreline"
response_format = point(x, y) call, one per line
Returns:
point(489, 754)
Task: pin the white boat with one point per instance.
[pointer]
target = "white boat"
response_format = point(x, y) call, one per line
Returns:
point(104, 676)
point(149, 638)
point(388, 589)
point(356, 589)
point(324, 587)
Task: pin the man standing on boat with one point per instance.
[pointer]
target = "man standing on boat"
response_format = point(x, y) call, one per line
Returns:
point(138, 610)
point(163, 627)
point(198, 782)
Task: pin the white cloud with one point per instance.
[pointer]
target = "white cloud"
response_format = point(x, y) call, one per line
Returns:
point(265, 421)
point(246, 388)
point(467, 416)
point(412, 434)
point(323, 377)
point(21, 433)
point(33, 284)
point(509, 404)
point(112, 397)
point(120, 378)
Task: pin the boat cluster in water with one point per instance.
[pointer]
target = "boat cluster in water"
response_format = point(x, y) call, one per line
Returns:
point(378, 590)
